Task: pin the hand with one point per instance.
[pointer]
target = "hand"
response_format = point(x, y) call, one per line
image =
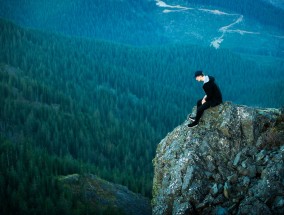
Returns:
point(204, 99)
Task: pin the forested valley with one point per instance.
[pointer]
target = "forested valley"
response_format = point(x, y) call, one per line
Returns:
point(73, 105)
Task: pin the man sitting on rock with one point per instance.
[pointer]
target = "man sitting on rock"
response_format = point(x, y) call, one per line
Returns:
point(212, 98)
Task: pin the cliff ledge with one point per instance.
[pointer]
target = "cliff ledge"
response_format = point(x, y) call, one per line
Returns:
point(231, 163)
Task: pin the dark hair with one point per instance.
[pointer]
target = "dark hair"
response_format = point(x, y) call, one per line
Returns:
point(198, 73)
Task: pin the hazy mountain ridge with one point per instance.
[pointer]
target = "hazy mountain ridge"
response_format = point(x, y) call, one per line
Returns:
point(260, 10)
point(120, 21)
point(158, 22)
point(276, 3)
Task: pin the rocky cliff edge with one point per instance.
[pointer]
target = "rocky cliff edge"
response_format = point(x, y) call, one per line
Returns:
point(231, 163)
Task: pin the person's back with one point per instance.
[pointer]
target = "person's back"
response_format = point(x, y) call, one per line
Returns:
point(214, 95)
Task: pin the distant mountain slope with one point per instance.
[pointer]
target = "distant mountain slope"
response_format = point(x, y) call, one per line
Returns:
point(116, 20)
point(224, 24)
point(260, 10)
point(252, 27)
point(276, 3)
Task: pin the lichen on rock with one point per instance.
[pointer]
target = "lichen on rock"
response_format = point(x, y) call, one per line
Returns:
point(223, 164)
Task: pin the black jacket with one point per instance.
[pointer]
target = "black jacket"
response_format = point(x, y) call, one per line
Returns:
point(214, 95)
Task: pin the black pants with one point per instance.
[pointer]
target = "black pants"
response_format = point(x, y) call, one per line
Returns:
point(201, 108)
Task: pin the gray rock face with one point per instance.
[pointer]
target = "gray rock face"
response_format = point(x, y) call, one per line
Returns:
point(231, 163)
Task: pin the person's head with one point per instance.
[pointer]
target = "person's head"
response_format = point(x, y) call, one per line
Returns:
point(199, 75)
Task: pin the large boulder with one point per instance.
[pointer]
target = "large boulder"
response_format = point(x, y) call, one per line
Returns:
point(231, 163)
point(104, 197)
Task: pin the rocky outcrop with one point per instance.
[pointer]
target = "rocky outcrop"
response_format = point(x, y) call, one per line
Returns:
point(231, 163)
point(107, 197)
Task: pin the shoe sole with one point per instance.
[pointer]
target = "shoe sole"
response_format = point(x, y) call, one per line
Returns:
point(192, 126)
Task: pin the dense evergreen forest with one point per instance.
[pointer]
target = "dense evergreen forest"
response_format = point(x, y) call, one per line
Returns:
point(73, 105)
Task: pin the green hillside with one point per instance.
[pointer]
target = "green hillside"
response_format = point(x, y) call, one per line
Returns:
point(117, 20)
point(32, 154)
point(72, 105)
